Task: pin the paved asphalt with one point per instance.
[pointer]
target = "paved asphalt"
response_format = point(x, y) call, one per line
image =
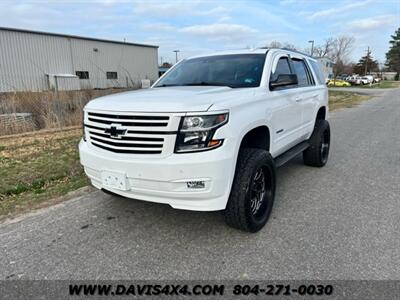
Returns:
point(338, 222)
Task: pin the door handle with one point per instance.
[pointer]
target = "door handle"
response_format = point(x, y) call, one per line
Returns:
point(298, 99)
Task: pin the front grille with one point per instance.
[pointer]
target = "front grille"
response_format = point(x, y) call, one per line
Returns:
point(126, 117)
point(127, 133)
point(147, 124)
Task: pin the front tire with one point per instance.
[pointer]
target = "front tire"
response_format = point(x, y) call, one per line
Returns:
point(253, 191)
point(317, 154)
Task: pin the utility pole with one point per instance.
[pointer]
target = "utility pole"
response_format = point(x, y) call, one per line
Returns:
point(176, 55)
point(366, 61)
point(312, 47)
point(161, 59)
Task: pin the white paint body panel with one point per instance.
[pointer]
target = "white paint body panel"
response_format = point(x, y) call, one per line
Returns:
point(162, 177)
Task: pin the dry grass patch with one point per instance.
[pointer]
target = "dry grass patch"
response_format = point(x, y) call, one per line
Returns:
point(39, 167)
point(344, 99)
point(44, 110)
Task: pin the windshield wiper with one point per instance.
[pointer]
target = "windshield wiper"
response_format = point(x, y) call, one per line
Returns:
point(204, 83)
point(166, 85)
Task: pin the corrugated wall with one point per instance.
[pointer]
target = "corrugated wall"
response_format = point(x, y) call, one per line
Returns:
point(26, 58)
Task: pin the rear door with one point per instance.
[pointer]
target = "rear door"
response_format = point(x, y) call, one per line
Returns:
point(287, 111)
point(307, 94)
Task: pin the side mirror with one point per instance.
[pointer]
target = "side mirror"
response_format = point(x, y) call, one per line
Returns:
point(284, 80)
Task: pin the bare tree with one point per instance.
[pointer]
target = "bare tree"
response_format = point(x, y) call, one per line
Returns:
point(338, 50)
point(325, 49)
point(275, 44)
point(335, 48)
point(342, 47)
point(289, 46)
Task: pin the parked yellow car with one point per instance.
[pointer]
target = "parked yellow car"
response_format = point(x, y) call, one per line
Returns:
point(338, 82)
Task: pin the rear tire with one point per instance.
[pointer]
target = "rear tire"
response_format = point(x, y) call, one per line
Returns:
point(317, 154)
point(253, 191)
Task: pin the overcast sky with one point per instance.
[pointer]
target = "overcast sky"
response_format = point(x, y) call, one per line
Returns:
point(195, 27)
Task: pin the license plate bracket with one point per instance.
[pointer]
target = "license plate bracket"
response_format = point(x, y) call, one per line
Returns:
point(114, 180)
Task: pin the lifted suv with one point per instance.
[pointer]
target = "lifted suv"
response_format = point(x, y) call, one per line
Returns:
point(209, 134)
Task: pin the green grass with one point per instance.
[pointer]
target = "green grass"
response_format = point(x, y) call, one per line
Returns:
point(345, 99)
point(383, 85)
point(37, 168)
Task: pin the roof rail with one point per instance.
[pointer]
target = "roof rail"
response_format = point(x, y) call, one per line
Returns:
point(297, 51)
point(287, 49)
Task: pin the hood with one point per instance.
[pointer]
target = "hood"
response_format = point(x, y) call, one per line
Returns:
point(164, 99)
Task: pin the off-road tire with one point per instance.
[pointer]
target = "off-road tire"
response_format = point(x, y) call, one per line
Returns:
point(238, 213)
point(317, 154)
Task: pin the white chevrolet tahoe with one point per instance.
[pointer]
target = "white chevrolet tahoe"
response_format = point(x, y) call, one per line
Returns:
point(209, 134)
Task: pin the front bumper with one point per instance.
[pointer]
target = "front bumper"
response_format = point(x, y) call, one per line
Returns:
point(164, 180)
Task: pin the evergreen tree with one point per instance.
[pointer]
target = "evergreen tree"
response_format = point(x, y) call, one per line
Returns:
point(366, 63)
point(393, 55)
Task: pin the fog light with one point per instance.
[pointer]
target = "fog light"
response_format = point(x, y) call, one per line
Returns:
point(195, 184)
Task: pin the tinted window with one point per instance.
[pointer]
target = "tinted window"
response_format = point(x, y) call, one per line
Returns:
point(282, 67)
point(317, 71)
point(243, 70)
point(301, 72)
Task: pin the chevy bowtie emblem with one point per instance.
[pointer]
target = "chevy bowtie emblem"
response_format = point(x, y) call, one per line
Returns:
point(115, 131)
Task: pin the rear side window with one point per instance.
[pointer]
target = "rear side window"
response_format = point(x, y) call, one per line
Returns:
point(302, 73)
point(317, 72)
point(282, 67)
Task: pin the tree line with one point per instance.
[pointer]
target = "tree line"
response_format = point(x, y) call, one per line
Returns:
point(338, 50)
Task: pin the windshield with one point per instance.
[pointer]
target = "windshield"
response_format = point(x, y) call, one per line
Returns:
point(235, 71)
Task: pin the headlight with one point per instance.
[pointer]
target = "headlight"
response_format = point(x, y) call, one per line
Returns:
point(196, 132)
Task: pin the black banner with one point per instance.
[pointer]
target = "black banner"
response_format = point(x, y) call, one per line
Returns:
point(201, 289)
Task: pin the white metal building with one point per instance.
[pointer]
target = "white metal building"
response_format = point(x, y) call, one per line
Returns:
point(39, 61)
point(326, 65)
